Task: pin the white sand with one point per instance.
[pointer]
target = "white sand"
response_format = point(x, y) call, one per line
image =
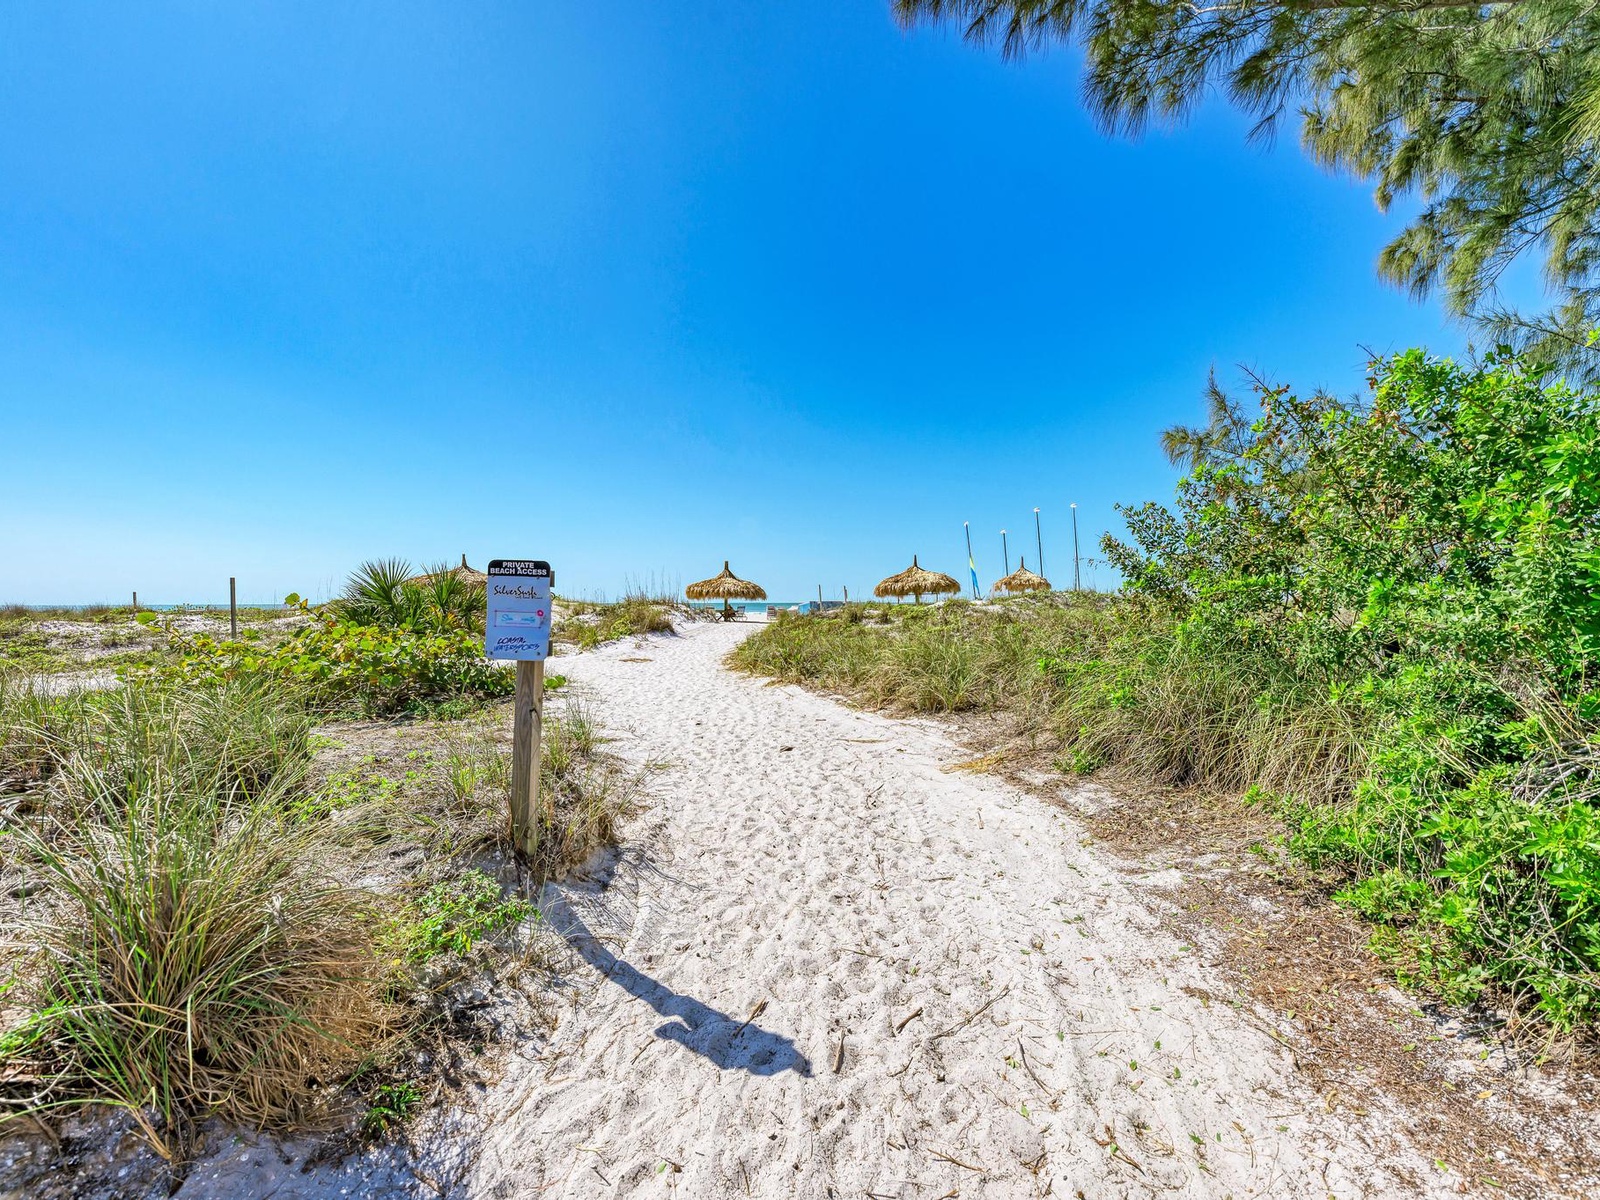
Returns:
point(819, 860)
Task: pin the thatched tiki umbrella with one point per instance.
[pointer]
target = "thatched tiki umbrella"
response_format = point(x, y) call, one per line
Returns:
point(726, 586)
point(915, 581)
point(466, 574)
point(1022, 580)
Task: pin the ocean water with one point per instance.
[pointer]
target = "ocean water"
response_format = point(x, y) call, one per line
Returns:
point(760, 606)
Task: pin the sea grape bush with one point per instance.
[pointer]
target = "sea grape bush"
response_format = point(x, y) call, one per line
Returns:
point(1425, 562)
point(375, 669)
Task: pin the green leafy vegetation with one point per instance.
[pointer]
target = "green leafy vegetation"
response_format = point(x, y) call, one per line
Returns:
point(1380, 615)
point(372, 669)
point(385, 593)
point(54, 641)
point(390, 1106)
point(453, 916)
point(41, 643)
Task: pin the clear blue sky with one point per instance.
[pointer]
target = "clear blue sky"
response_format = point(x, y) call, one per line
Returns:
point(633, 287)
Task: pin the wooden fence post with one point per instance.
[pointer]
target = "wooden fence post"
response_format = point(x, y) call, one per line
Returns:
point(233, 609)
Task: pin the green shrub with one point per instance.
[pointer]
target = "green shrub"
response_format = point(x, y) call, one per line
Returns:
point(374, 669)
point(1384, 612)
point(385, 593)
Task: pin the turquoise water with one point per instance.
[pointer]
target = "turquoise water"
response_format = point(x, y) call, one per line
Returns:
point(143, 607)
point(749, 605)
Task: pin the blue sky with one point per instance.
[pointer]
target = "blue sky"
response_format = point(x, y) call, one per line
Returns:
point(632, 287)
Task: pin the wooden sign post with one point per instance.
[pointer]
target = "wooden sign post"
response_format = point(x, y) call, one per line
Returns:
point(517, 627)
point(527, 734)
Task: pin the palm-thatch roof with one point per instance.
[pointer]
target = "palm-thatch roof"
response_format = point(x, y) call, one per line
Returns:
point(916, 581)
point(726, 586)
point(464, 573)
point(1022, 580)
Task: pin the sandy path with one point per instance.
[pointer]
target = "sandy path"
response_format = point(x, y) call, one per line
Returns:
point(819, 860)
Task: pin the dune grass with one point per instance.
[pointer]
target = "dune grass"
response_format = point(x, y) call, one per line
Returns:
point(586, 624)
point(193, 963)
point(183, 955)
point(183, 947)
point(584, 792)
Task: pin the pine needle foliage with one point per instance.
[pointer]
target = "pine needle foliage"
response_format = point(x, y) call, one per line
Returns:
point(1488, 113)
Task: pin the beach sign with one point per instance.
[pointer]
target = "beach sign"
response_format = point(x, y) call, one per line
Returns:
point(517, 625)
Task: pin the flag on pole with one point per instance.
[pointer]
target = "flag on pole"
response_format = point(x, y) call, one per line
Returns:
point(966, 528)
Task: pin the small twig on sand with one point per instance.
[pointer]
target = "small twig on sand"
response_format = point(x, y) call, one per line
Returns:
point(1029, 1068)
point(965, 1166)
point(761, 1007)
point(904, 1021)
point(1117, 1151)
point(838, 1056)
point(975, 1014)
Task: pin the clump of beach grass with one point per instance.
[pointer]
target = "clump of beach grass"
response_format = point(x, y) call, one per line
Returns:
point(191, 961)
point(585, 792)
point(183, 954)
point(586, 624)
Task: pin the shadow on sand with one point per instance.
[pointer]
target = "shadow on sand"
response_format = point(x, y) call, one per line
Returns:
point(727, 1041)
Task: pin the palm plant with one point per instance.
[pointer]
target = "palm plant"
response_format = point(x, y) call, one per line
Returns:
point(452, 600)
point(377, 593)
point(386, 592)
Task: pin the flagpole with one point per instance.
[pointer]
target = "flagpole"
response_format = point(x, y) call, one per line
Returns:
point(1039, 539)
point(1075, 578)
point(971, 566)
point(1005, 551)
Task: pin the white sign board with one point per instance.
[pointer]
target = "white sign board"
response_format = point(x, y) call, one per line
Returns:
point(518, 623)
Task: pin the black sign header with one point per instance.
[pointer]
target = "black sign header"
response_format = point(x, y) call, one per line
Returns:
point(535, 568)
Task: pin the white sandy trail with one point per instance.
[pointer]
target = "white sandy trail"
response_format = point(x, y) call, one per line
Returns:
point(819, 861)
